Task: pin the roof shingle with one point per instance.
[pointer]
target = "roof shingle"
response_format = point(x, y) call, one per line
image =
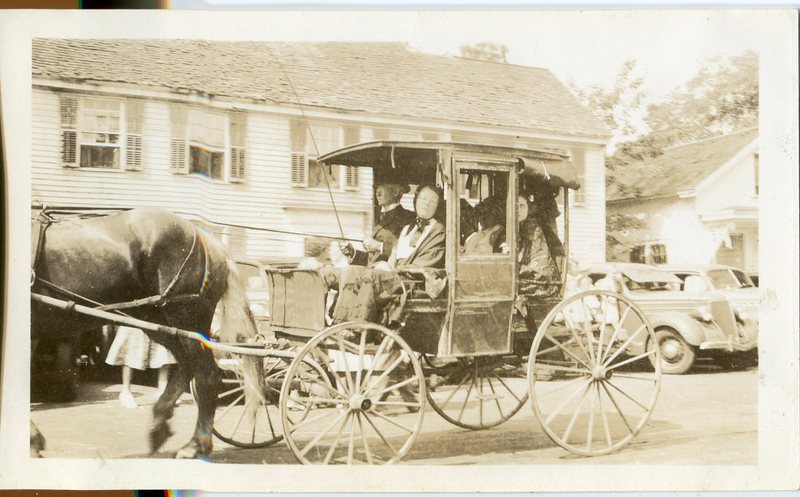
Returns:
point(679, 168)
point(378, 78)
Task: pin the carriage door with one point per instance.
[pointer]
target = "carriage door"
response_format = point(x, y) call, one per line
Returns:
point(484, 274)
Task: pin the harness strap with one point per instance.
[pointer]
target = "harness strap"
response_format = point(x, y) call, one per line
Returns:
point(161, 300)
point(40, 224)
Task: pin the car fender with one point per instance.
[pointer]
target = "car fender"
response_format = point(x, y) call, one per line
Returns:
point(688, 327)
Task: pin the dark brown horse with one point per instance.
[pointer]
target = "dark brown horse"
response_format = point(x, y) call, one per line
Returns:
point(178, 275)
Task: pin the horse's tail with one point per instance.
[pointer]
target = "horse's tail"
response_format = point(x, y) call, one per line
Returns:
point(237, 324)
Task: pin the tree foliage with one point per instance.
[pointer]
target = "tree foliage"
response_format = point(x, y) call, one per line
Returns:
point(485, 51)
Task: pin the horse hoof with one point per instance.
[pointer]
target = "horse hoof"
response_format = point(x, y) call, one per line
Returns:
point(190, 452)
point(158, 436)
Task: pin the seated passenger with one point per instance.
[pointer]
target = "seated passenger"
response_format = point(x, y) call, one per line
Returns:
point(468, 223)
point(386, 229)
point(491, 232)
point(545, 211)
point(421, 244)
point(366, 292)
point(535, 259)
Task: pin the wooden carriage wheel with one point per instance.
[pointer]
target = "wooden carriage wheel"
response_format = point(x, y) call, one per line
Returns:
point(358, 420)
point(591, 381)
point(480, 392)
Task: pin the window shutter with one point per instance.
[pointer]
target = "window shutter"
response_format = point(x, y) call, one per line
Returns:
point(134, 114)
point(178, 160)
point(352, 135)
point(299, 161)
point(238, 132)
point(69, 130)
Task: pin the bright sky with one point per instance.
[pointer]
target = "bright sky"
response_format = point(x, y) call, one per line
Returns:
point(586, 47)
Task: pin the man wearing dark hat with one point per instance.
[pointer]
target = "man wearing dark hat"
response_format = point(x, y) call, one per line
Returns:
point(387, 227)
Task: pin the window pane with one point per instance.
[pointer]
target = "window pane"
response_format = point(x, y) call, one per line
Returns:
point(207, 128)
point(206, 162)
point(327, 139)
point(103, 157)
point(316, 175)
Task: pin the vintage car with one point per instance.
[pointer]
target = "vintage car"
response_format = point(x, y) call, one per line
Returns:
point(688, 325)
point(730, 281)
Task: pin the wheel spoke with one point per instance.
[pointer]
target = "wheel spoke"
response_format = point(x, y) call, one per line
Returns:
point(619, 411)
point(603, 413)
point(633, 377)
point(568, 352)
point(626, 395)
point(324, 432)
point(391, 421)
point(380, 434)
point(385, 374)
point(587, 328)
point(604, 312)
point(361, 351)
point(394, 387)
point(574, 417)
point(506, 387)
point(565, 402)
point(624, 345)
point(591, 418)
point(239, 422)
point(230, 406)
point(230, 392)
point(343, 351)
point(565, 369)
point(455, 390)
point(367, 452)
point(466, 399)
point(335, 443)
point(633, 359)
point(496, 399)
point(385, 343)
point(616, 332)
point(351, 441)
point(396, 403)
point(309, 421)
point(571, 325)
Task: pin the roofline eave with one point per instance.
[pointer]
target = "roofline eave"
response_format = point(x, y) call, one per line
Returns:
point(275, 106)
point(641, 198)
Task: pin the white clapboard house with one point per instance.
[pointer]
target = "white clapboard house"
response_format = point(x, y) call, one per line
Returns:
point(215, 130)
point(697, 203)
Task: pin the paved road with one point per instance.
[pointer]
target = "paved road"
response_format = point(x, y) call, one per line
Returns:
point(707, 417)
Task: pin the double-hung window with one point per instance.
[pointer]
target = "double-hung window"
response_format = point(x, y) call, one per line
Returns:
point(308, 142)
point(207, 142)
point(100, 132)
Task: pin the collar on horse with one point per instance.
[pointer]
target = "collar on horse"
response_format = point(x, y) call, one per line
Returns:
point(44, 220)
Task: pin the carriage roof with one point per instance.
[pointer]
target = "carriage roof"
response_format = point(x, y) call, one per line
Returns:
point(412, 159)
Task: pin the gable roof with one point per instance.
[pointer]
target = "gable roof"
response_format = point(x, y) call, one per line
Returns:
point(679, 168)
point(378, 78)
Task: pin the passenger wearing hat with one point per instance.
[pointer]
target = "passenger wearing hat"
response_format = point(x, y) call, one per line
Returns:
point(386, 229)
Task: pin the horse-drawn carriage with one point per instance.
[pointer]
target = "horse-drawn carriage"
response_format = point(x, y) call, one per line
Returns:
point(475, 351)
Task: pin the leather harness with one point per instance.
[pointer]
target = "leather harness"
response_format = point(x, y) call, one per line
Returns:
point(39, 226)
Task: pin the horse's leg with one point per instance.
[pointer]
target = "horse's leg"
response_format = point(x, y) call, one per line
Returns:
point(206, 376)
point(165, 405)
point(37, 441)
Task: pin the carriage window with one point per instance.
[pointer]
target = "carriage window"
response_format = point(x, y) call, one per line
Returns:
point(482, 212)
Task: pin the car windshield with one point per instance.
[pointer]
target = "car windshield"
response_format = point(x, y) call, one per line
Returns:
point(648, 280)
point(724, 279)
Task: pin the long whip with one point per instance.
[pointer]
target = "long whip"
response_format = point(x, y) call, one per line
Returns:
point(313, 139)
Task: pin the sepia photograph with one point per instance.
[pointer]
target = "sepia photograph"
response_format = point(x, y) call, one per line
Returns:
point(538, 241)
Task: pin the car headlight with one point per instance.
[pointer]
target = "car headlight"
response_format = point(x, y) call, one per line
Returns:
point(704, 314)
point(740, 313)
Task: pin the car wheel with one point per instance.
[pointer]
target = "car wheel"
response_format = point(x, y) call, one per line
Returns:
point(677, 355)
